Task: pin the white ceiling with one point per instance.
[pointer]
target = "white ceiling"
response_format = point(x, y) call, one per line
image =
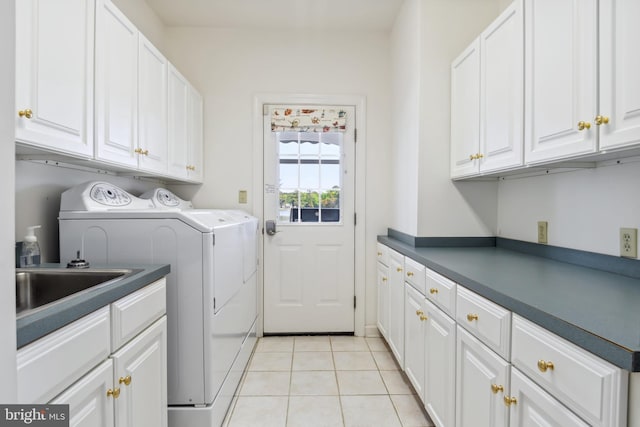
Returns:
point(355, 15)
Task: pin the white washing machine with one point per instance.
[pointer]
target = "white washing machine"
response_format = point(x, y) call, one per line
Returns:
point(211, 289)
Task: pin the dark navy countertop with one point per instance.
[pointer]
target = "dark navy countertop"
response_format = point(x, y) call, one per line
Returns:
point(594, 309)
point(49, 318)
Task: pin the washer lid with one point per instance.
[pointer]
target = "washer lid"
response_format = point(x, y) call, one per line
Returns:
point(100, 196)
point(163, 198)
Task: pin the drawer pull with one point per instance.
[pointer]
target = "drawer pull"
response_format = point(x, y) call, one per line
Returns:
point(113, 393)
point(419, 312)
point(126, 380)
point(543, 365)
point(423, 318)
point(433, 291)
point(472, 317)
point(495, 388)
point(398, 269)
point(510, 400)
point(409, 274)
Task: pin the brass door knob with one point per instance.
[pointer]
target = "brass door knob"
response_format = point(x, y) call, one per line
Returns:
point(433, 291)
point(472, 317)
point(25, 113)
point(113, 393)
point(126, 380)
point(583, 125)
point(510, 400)
point(601, 120)
point(495, 388)
point(544, 365)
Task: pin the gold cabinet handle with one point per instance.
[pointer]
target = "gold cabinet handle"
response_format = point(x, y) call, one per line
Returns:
point(510, 400)
point(495, 388)
point(423, 317)
point(433, 291)
point(601, 120)
point(544, 365)
point(419, 312)
point(583, 125)
point(25, 113)
point(126, 380)
point(398, 269)
point(409, 273)
point(384, 279)
point(472, 317)
point(113, 393)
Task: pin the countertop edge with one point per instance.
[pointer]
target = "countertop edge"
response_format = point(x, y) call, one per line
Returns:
point(36, 325)
point(600, 346)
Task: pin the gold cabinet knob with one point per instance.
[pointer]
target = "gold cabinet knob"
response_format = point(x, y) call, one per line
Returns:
point(379, 253)
point(583, 125)
point(138, 150)
point(423, 317)
point(601, 120)
point(419, 312)
point(472, 157)
point(544, 365)
point(126, 380)
point(145, 152)
point(398, 269)
point(510, 400)
point(495, 388)
point(433, 291)
point(191, 167)
point(472, 317)
point(479, 156)
point(25, 113)
point(384, 279)
point(409, 273)
point(113, 393)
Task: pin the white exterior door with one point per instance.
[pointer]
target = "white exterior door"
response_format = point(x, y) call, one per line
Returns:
point(309, 199)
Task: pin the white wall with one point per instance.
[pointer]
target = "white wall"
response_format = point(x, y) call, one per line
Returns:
point(229, 67)
point(584, 209)
point(145, 19)
point(8, 393)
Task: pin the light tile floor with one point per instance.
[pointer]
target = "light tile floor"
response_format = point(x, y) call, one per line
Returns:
point(328, 381)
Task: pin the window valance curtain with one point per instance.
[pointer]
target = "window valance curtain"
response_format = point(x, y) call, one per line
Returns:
point(308, 119)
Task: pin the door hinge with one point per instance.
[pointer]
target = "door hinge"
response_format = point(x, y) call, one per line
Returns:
point(354, 301)
point(355, 219)
point(355, 135)
point(214, 240)
point(214, 304)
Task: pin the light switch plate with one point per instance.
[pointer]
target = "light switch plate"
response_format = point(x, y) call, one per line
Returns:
point(242, 196)
point(629, 242)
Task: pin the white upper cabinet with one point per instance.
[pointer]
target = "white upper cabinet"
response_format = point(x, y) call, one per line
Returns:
point(502, 92)
point(54, 75)
point(116, 86)
point(560, 79)
point(152, 112)
point(465, 111)
point(196, 137)
point(619, 71)
point(487, 99)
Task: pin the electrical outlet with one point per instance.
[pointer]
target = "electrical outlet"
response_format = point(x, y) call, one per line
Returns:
point(242, 196)
point(542, 231)
point(629, 242)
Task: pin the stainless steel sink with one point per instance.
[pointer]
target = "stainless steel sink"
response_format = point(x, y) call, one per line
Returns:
point(39, 287)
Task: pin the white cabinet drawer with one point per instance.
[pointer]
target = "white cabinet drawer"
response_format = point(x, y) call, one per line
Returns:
point(592, 387)
point(485, 319)
point(441, 291)
point(414, 274)
point(49, 365)
point(130, 315)
point(383, 253)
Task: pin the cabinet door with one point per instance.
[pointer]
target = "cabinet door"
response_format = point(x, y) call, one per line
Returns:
point(382, 284)
point(152, 111)
point(116, 86)
point(619, 71)
point(54, 74)
point(502, 91)
point(178, 123)
point(196, 142)
point(560, 78)
point(89, 405)
point(396, 306)
point(465, 111)
point(440, 366)
point(414, 351)
point(532, 406)
point(140, 371)
point(479, 372)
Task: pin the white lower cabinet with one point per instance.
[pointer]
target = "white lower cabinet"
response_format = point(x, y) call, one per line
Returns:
point(396, 306)
point(439, 366)
point(382, 284)
point(482, 377)
point(414, 327)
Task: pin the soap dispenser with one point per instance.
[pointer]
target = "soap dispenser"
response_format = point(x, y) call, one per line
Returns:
point(30, 253)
